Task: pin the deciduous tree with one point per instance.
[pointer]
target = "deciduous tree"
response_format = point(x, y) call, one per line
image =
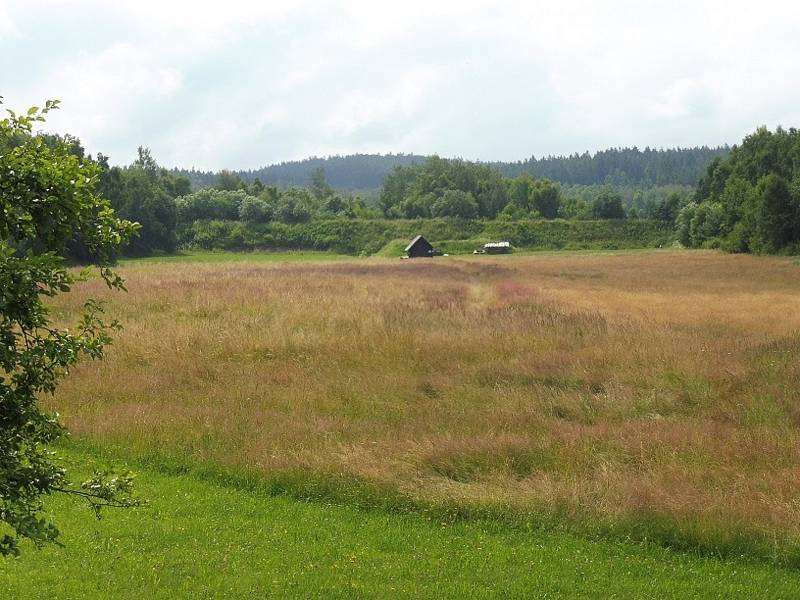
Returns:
point(47, 200)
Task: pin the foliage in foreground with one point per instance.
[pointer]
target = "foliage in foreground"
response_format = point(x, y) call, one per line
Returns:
point(47, 200)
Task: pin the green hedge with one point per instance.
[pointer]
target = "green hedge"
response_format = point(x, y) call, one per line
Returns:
point(452, 235)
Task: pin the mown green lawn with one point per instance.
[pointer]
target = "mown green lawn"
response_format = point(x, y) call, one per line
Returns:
point(199, 539)
point(289, 256)
point(293, 256)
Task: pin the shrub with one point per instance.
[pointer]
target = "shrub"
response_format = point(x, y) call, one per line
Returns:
point(210, 204)
point(255, 210)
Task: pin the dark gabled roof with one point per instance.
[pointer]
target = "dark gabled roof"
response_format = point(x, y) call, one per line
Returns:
point(415, 241)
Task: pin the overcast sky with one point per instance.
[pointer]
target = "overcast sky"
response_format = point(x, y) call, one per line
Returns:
point(235, 84)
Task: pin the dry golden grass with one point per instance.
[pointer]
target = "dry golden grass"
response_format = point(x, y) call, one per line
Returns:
point(610, 386)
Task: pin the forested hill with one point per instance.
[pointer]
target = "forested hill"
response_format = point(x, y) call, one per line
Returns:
point(344, 173)
point(620, 166)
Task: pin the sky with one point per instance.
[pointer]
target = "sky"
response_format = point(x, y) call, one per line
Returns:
point(241, 84)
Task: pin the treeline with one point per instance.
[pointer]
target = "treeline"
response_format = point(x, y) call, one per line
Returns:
point(141, 192)
point(163, 203)
point(232, 199)
point(621, 166)
point(467, 190)
point(616, 166)
point(639, 201)
point(388, 237)
point(749, 201)
point(459, 204)
point(146, 193)
point(344, 173)
point(232, 212)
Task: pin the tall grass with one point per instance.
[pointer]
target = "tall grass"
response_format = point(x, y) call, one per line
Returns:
point(651, 393)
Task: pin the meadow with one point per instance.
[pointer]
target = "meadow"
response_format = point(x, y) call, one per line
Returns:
point(622, 395)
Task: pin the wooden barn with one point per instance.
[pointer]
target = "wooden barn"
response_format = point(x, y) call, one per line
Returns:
point(419, 247)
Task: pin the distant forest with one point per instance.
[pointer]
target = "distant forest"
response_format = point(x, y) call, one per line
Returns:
point(621, 166)
point(616, 166)
point(351, 173)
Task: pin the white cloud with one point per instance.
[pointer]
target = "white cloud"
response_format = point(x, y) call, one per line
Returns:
point(241, 84)
point(401, 97)
point(7, 27)
point(104, 94)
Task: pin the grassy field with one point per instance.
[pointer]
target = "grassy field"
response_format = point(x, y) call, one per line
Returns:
point(219, 256)
point(198, 538)
point(647, 395)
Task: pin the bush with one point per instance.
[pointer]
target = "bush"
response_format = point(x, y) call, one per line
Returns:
point(255, 210)
point(455, 203)
point(210, 204)
point(608, 205)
